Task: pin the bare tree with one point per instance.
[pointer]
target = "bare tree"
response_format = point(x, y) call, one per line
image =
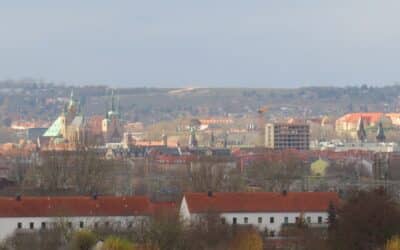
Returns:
point(206, 174)
point(90, 173)
point(276, 175)
point(51, 174)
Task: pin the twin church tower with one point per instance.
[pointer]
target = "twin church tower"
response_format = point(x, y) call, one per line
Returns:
point(72, 129)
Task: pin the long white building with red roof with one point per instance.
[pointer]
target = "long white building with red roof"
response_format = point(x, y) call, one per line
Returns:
point(263, 210)
point(31, 213)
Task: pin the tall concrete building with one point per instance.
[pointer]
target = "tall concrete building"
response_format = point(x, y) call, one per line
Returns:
point(287, 135)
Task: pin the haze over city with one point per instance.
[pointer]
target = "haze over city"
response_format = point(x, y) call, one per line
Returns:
point(199, 125)
point(201, 43)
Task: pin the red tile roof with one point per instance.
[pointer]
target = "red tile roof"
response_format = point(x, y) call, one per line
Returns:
point(74, 206)
point(369, 117)
point(165, 208)
point(261, 202)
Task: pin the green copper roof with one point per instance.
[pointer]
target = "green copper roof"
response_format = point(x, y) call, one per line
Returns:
point(55, 129)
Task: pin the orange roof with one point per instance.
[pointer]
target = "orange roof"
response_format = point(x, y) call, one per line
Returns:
point(167, 207)
point(261, 202)
point(74, 206)
point(149, 143)
point(367, 117)
point(209, 121)
point(393, 116)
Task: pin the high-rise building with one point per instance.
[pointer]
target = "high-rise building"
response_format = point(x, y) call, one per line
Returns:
point(287, 135)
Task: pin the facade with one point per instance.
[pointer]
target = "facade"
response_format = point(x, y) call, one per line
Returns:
point(263, 210)
point(287, 135)
point(394, 118)
point(69, 127)
point(349, 123)
point(33, 213)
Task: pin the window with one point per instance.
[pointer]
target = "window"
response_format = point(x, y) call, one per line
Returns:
point(246, 220)
point(96, 225)
point(107, 224)
point(234, 221)
point(19, 225)
point(130, 224)
point(272, 233)
point(286, 220)
point(259, 219)
point(31, 225)
point(271, 220)
point(70, 224)
point(43, 225)
point(222, 220)
point(297, 220)
point(319, 219)
point(308, 219)
point(81, 224)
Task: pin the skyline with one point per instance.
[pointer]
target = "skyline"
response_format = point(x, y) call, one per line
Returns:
point(207, 44)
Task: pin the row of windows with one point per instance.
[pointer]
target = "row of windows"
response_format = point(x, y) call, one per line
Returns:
point(272, 220)
point(81, 224)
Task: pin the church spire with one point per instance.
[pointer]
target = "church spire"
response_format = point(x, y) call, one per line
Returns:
point(361, 134)
point(192, 138)
point(380, 134)
point(112, 100)
point(212, 139)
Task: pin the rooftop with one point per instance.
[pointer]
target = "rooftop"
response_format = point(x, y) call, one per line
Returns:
point(261, 202)
point(74, 206)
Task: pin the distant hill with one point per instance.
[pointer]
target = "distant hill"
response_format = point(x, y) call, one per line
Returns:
point(26, 100)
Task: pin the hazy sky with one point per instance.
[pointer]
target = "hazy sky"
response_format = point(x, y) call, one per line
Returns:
point(265, 43)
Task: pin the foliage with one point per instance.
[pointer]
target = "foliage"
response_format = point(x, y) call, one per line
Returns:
point(206, 174)
point(83, 240)
point(115, 243)
point(393, 243)
point(276, 175)
point(247, 240)
point(165, 231)
point(331, 215)
point(83, 170)
point(366, 221)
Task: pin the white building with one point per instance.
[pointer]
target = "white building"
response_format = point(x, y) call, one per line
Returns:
point(263, 210)
point(34, 213)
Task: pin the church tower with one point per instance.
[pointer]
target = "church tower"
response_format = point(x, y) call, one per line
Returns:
point(112, 125)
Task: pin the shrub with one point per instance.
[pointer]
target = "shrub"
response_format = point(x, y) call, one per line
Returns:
point(83, 240)
point(115, 243)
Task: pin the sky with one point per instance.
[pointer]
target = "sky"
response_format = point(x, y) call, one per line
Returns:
point(207, 43)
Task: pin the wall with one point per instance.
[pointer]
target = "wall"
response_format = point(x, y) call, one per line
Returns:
point(279, 219)
point(9, 224)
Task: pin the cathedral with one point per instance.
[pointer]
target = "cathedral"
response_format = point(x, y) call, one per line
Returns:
point(69, 128)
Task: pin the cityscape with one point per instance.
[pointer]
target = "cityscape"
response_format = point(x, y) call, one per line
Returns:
point(199, 125)
point(96, 164)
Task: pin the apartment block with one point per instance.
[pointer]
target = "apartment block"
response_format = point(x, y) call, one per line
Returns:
point(287, 135)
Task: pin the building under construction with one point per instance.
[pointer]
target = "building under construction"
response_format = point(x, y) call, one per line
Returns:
point(287, 135)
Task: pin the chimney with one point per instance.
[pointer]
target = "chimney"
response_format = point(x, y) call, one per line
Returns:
point(284, 192)
point(18, 197)
point(210, 193)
